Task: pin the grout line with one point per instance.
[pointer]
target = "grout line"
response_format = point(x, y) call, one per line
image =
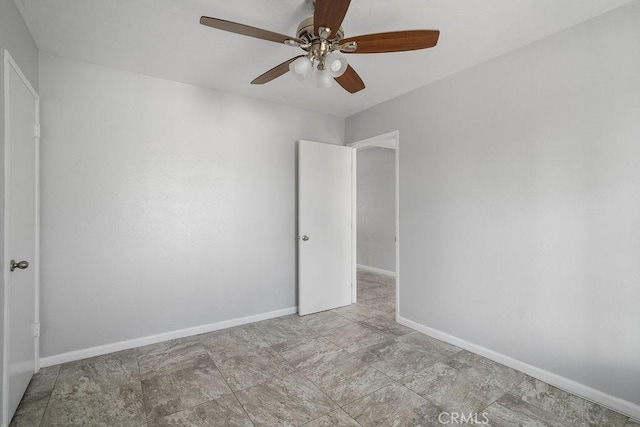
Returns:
point(321, 391)
point(50, 394)
point(243, 408)
point(349, 356)
point(526, 377)
point(507, 392)
point(144, 404)
point(232, 391)
point(153, 374)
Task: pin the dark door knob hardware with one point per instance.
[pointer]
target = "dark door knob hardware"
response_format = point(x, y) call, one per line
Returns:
point(21, 265)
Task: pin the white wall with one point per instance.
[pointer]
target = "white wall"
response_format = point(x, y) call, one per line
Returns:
point(376, 211)
point(520, 203)
point(15, 37)
point(164, 206)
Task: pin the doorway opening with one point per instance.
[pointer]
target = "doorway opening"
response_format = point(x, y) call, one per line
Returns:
point(376, 236)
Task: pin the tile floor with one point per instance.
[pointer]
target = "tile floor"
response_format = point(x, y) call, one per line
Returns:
point(353, 366)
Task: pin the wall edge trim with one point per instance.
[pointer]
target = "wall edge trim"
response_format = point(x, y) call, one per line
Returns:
point(617, 404)
point(165, 336)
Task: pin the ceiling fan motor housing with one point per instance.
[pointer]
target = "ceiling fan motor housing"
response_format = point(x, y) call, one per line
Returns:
point(317, 46)
point(305, 32)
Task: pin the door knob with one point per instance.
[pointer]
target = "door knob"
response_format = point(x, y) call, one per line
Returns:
point(21, 265)
point(305, 238)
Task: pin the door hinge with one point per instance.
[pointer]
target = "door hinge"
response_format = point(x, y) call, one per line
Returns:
point(35, 330)
point(37, 131)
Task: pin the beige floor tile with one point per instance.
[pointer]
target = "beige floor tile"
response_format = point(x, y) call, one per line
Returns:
point(120, 406)
point(337, 418)
point(281, 329)
point(288, 401)
point(354, 337)
point(96, 375)
point(230, 342)
point(387, 326)
point(306, 353)
point(28, 418)
point(225, 411)
point(426, 343)
point(569, 407)
point(345, 379)
point(393, 405)
point(512, 411)
point(248, 369)
point(171, 392)
point(36, 397)
point(324, 321)
point(180, 354)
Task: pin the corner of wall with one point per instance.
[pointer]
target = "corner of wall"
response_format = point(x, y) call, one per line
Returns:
point(617, 404)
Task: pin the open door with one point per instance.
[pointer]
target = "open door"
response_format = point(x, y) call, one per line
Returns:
point(325, 234)
point(21, 236)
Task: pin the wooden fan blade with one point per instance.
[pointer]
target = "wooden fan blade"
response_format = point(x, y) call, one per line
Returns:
point(350, 81)
point(275, 72)
point(329, 14)
point(396, 41)
point(246, 30)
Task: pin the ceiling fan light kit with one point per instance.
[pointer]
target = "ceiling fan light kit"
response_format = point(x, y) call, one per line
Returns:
point(324, 78)
point(336, 63)
point(301, 67)
point(322, 37)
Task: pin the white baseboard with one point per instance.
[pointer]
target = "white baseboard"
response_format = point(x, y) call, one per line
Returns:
point(153, 339)
point(620, 405)
point(377, 270)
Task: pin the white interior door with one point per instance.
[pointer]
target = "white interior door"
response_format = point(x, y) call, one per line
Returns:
point(21, 104)
point(325, 214)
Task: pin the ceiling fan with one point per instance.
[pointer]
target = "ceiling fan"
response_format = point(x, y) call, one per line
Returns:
point(322, 37)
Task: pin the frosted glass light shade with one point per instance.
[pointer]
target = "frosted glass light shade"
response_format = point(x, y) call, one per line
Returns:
point(336, 64)
point(301, 67)
point(324, 79)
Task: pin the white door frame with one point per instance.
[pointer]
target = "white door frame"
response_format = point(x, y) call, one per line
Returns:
point(11, 66)
point(386, 140)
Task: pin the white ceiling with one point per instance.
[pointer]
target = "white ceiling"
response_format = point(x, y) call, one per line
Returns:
point(163, 38)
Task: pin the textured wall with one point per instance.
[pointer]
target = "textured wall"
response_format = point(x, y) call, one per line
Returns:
point(164, 205)
point(377, 208)
point(520, 200)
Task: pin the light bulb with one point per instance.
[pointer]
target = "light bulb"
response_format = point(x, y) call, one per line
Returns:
point(324, 78)
point(301, 67)
point(336, 63)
